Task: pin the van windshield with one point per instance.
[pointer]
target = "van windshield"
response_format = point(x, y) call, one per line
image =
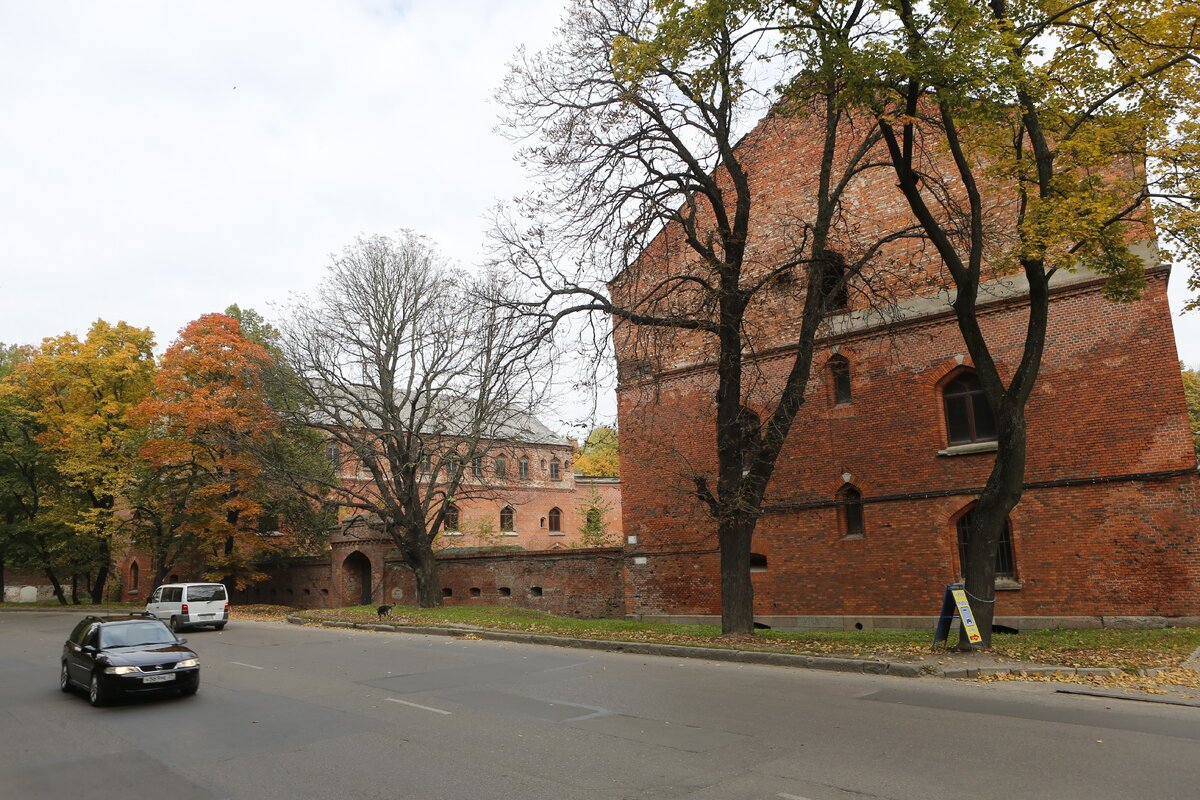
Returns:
point(202, 594)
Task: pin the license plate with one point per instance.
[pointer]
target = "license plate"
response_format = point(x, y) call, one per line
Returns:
point(159, 678)
point(207, 616)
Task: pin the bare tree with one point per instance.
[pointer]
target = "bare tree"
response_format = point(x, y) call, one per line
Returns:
point(415, 379)
point(633, 124)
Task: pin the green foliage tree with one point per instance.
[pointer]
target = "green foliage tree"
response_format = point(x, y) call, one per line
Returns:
point(594, 530)
point(1073, 120)
point(599, 455)
point(79, 394)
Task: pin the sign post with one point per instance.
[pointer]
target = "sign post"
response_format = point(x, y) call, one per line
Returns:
point(955, 601)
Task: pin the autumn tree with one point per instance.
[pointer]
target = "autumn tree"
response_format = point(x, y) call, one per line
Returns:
point(79, 394)
point(632, 123)
point(198, 490)
point(414, 382)
point(29, 537)
point(1068, 130)
point(598, 457)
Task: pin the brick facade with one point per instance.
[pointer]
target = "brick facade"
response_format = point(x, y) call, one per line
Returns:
point(1109, 523)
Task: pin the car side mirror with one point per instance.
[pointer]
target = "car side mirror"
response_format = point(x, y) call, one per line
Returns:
point(181, 640)
point(89, 649)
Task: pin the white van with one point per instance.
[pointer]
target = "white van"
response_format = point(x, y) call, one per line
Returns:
point(188, 605)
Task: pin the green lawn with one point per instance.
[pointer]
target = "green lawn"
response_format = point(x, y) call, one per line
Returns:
point(1084, 648)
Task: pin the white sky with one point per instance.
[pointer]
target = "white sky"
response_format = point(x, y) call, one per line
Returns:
point(162, 160)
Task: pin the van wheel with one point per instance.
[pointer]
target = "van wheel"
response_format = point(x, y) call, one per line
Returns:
point(174, 625)
point(64, 679)
point(219, 626)
point(96, 694)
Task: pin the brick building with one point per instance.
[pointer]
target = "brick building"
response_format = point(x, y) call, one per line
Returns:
point(863, 514)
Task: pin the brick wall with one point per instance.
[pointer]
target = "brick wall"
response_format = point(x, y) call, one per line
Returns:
point(1108, 404)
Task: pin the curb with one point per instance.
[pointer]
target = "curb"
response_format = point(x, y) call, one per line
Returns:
point(859, 665)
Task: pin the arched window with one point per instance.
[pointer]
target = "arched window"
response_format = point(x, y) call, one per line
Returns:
point(451, 523)
point(555, 471)
point(758, 562)
point(523, 468)
point(555, 516)
point(839, 377)
point(850, 511)
point(501, 466)
point(969, 418)
point(1006, 565)
point(134, 576)
point(506, 519)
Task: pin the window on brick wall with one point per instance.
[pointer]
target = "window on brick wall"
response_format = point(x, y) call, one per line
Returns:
point(523, 468)
point(134, 576)
point(850, 512)
point(507, 519)
point(555, 471)
point(839, 377)
point(477, 467)
point(555, 516)
point(969, 418)
point(451, 522)
point(501, 466)
point(1006, 565)
point(758, 562)
point(834, 286)
point(333, 452)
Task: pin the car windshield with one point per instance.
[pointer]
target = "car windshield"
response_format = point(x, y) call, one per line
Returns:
point(135, 633)
point(201, 594)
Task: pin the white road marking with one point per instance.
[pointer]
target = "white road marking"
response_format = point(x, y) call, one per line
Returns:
point(251, 666)
point(787, 796)
point(418, 705)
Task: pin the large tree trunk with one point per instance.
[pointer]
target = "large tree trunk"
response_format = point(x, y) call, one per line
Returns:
point(423, 564)
point(988, 519)
point(737, 590)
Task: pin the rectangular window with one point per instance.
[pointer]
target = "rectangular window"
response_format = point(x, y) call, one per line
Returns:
point(523, 468)
point(477, 467)
point(554, 470)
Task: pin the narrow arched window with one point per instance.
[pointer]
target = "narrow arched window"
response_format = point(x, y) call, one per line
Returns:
point(501, 466)
point(506, 519)
point(758, 562)
point(1006, 565)
point(839, 377)
point(134, 576)
point(850, 511)
point(969, 418)
point(835, 290)
point(555, 516)
point(451, 522)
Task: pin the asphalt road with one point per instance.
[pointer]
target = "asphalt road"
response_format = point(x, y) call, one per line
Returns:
point(291, 712)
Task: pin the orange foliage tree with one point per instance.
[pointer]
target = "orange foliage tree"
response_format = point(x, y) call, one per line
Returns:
point(197, 494)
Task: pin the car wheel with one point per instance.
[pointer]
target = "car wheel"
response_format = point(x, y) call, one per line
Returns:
point(190, 690)
point(96, 694)
point(174, 624)
point(64, 679)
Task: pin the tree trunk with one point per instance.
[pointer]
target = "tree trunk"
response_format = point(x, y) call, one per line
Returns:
point(75, 588)
point(58, 590)
point(424, 568)
point(988, 519)
point(97, 589)
point(737, 590)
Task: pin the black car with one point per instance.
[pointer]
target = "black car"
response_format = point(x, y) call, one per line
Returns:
point(129, 655)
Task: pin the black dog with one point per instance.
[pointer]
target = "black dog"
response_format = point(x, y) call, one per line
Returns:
point(383, 611)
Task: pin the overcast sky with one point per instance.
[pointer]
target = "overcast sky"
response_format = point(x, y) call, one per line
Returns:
point(162, 160)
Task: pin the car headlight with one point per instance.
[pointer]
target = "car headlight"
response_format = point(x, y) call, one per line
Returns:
point(188, 662)
point(121, 670)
